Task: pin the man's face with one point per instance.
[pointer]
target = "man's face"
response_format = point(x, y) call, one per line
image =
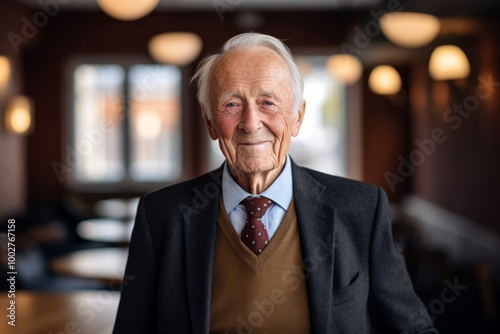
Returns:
point(251, 101)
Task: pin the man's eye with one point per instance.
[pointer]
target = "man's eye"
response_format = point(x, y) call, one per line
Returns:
point(231, 105)
point(268, 103)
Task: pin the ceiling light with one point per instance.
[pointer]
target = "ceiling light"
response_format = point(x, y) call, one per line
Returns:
point(345, 68)
point(178, 48)
point(410, 29)
point(384, 80)
point(448, 62)
point(127, 10)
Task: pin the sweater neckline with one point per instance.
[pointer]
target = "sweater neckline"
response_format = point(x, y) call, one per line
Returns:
point(257, 262)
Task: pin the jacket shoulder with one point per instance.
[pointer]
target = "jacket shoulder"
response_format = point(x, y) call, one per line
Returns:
point(337, 185)
point(207, 185)
point(351, 198)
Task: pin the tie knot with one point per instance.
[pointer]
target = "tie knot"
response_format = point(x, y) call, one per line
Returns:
point(257, 206)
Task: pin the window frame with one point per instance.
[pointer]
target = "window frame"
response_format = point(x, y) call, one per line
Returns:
point(127, 184)
point(353, 154)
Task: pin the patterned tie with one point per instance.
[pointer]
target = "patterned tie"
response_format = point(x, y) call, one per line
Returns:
point(254, 234)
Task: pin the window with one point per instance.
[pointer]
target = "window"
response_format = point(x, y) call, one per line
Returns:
point(125, 123)
point(321, 143)
point(322, 140)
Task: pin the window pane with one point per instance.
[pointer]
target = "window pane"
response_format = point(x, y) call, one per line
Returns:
point(321, 142)
point(98, 114)
point(155, 122)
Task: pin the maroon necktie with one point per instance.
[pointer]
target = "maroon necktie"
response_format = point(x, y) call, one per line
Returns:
point(254, 234)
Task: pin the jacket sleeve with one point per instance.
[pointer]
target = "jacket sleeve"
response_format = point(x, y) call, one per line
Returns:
point(137, 311)
point(394, 306)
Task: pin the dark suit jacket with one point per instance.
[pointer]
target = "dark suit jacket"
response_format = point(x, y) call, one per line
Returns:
point(356, 280)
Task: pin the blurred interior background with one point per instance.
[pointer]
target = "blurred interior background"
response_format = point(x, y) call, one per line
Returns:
point(96, 110)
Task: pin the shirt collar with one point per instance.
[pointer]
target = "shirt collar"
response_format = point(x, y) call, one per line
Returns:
point(280, 191)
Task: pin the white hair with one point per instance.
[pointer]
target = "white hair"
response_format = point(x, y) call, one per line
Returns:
point(204, 70)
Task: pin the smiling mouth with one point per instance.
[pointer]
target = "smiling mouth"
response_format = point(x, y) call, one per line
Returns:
point(255, 143)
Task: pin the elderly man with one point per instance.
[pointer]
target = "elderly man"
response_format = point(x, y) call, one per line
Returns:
point(262, 245)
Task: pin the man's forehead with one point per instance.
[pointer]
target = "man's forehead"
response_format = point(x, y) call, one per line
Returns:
point(264, 84)
point(250, 70)
point(246, 58)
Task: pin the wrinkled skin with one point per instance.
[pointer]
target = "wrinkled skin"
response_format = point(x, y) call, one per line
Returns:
point(251, 114)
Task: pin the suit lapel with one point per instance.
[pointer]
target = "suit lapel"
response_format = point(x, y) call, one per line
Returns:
point(199, 242)
point(316, 225)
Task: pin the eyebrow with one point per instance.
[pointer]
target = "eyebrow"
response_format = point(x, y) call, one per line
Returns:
point(261, 92)
point(270, 93)
point(265, 92)
point(228, 96)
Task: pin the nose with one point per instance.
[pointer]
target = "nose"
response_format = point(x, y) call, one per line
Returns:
point(250, 119)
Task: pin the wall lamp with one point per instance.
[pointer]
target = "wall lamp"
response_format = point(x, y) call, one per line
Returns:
point(385, 80)
point(5, 74)
point(448, 62)
point(19, 115)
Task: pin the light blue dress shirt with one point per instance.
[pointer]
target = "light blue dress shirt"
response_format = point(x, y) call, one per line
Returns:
point(280, 192)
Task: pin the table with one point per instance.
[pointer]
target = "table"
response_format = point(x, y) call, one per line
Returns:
point(105, 230)
point(118, 208)
point(55, 313)
point(107, 264)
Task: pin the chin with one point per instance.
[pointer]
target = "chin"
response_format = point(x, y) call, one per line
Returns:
point(256, 165)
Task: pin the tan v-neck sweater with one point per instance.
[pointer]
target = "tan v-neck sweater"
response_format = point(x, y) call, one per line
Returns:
point(263, 293)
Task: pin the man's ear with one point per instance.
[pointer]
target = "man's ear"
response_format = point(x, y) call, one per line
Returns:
point(299, 117)
point(211, 130)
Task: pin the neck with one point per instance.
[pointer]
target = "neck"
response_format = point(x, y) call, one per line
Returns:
point(255, 183)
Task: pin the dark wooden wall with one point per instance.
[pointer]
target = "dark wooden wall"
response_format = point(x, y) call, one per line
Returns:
point(462, 175)
point(12, 147)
